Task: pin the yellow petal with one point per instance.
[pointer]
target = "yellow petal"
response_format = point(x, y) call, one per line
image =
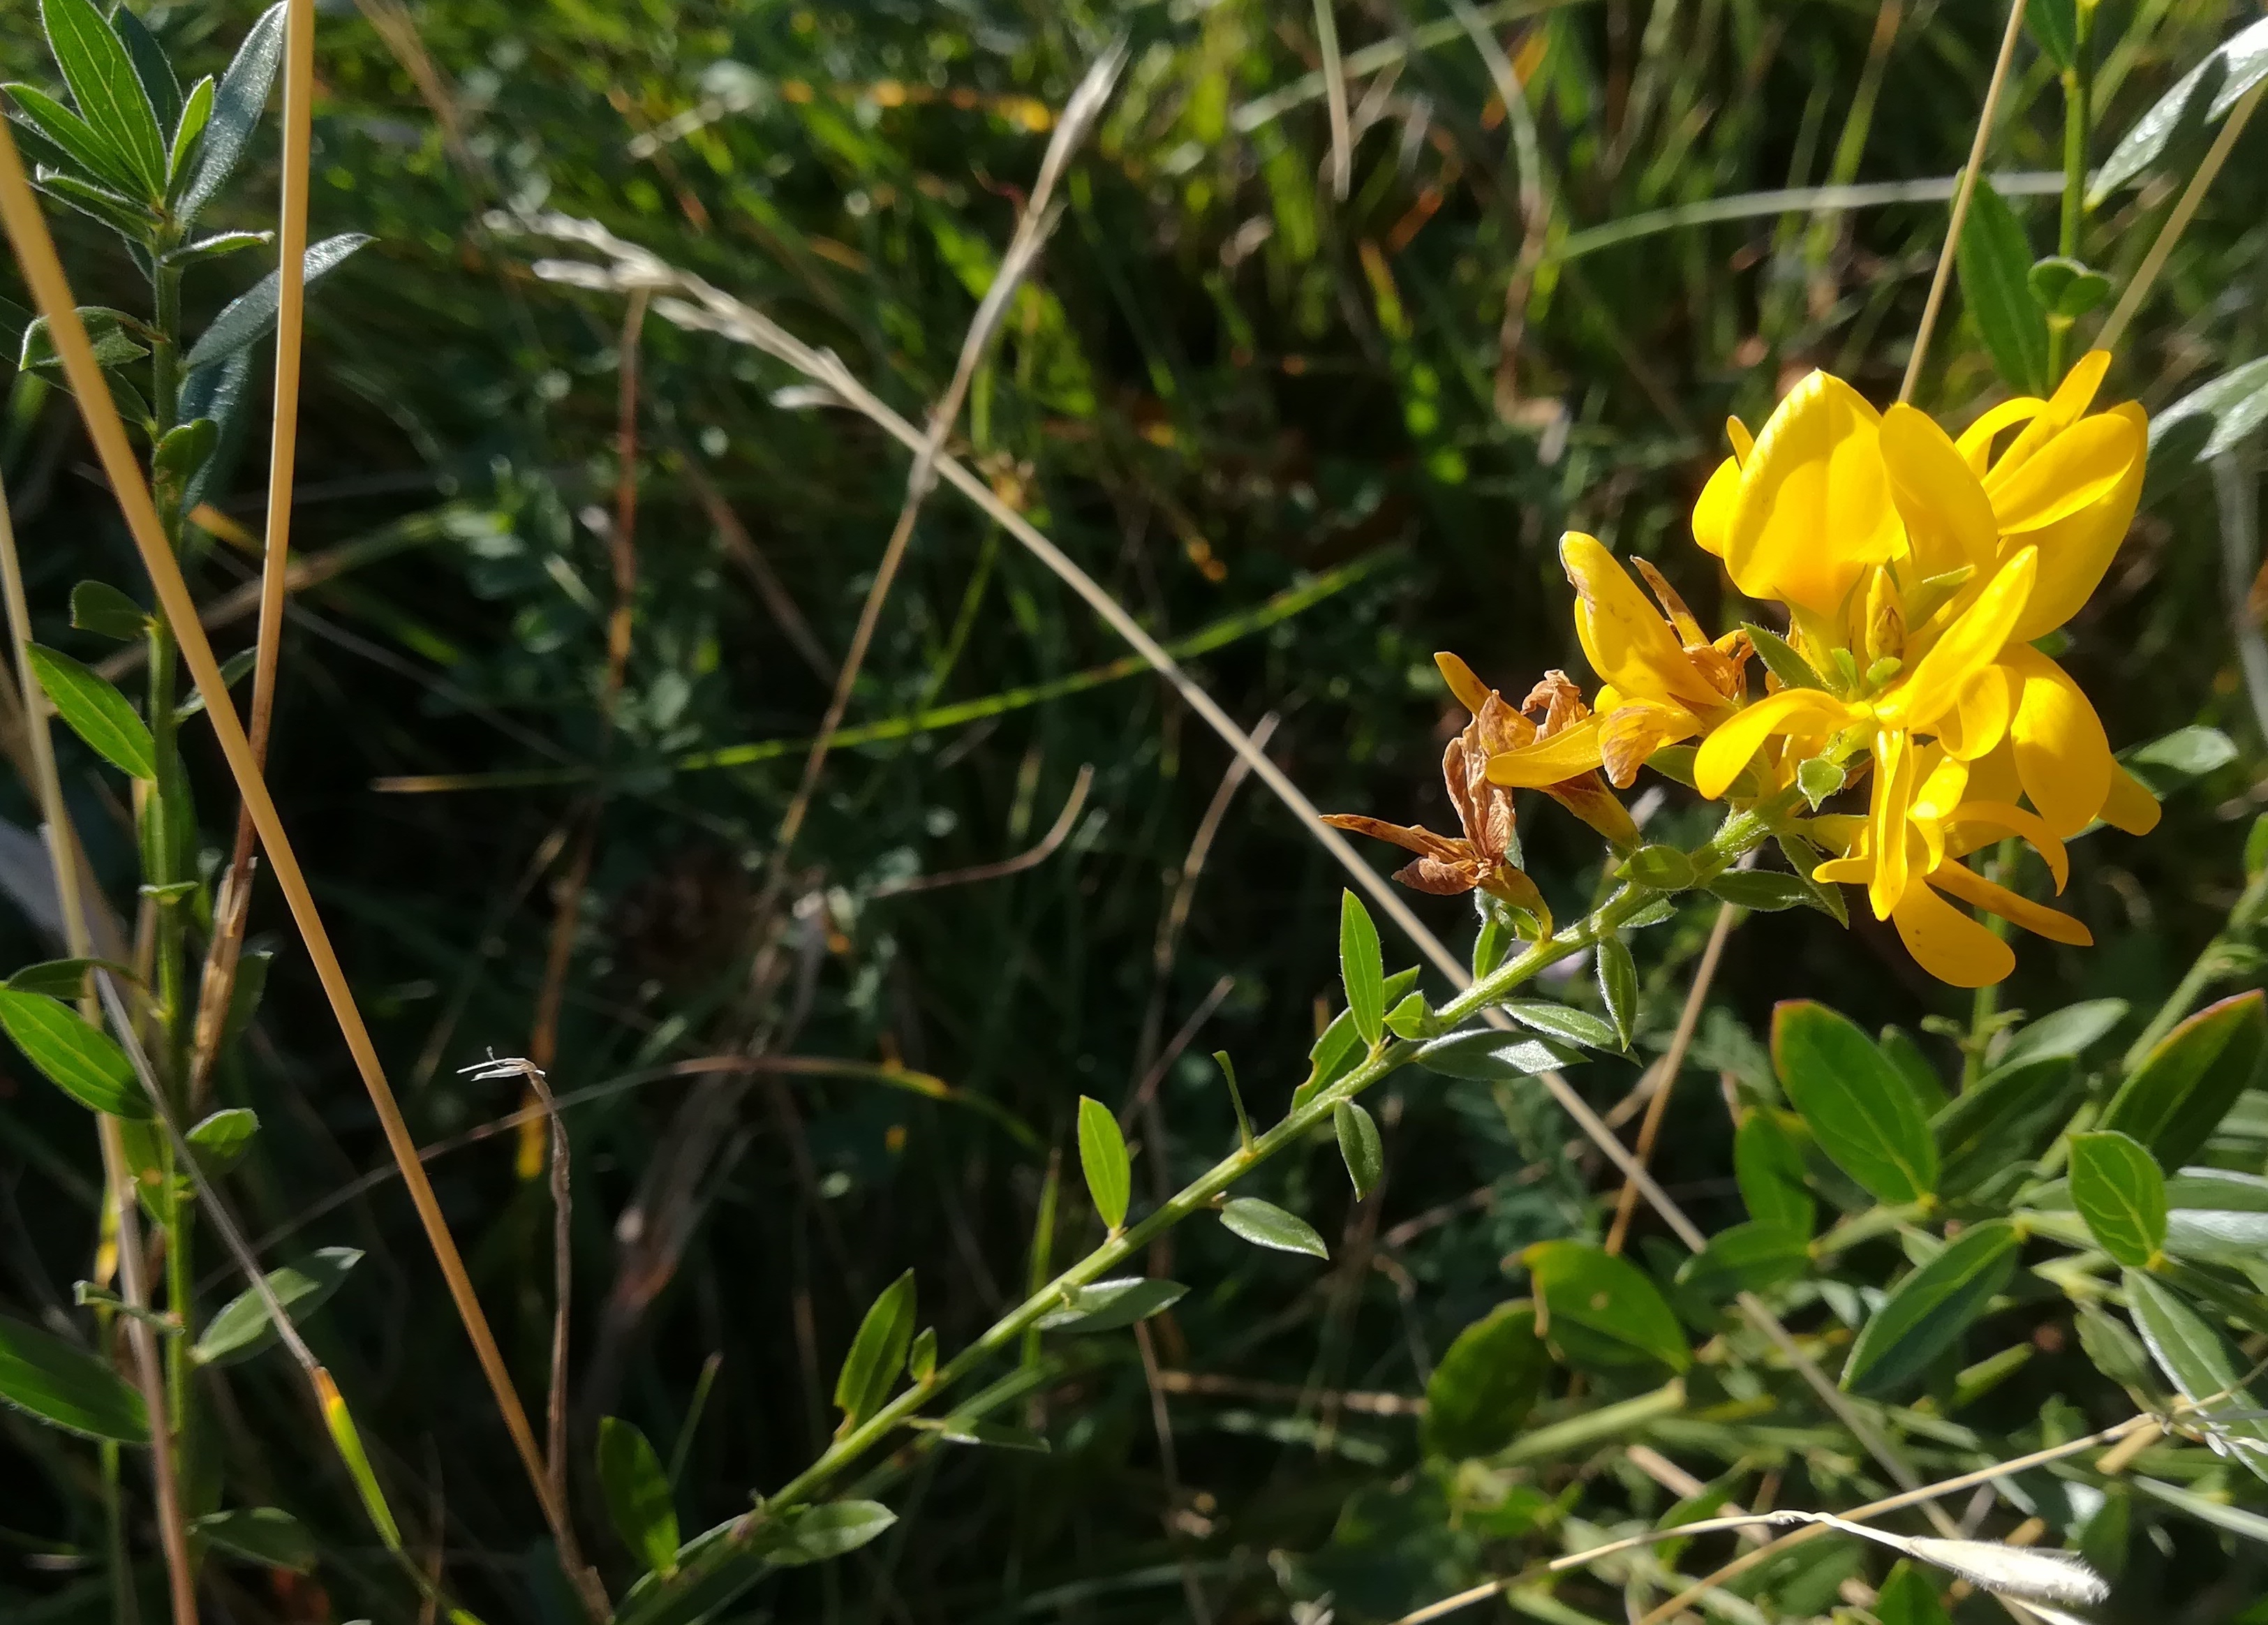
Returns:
point(2062, 756)
point(1975, 889)
point(1729, 747)
point(2065, 407)
point(1993, 777)
point(1713, 510)
point(1471, 692)
point(1893, 801)
point(1947, 516)
point(1628, 643)
point(1815, 504)
point(1972, 643)
point(1976, 442)
point(1566, 754)
point(1949, 944)
point(2075, 470)
point(1976, 824)
point(1844, 872)
point(2130, 806)
point(1979, 720)
point(1743, 442)
point(2076, 550)
point(1838, 832)
point(1629, 735)
point(1938, 794)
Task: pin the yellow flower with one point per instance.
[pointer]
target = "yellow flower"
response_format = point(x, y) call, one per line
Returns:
point(1663, 679)
point(1916, 572)
point(1943, 824)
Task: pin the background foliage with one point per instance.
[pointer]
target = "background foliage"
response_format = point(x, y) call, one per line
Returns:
point(1225, 385)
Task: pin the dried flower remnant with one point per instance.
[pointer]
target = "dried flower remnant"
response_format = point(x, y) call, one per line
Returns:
point(1485, 856)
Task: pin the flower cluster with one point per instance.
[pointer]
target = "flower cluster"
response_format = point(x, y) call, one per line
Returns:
point(1916, 573)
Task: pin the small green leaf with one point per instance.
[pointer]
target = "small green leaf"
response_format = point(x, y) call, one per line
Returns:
point(1573, 1027)
point(1858, 1109)
point(2217, 1214)
point(2199, 1361)
point(108, 92)
point(2066, 290)
point(1361, 968)
point(1761, 891)
point(244, 997)
point(817, 1533)
point(878, 1353)
point(1102, 1157)
point(1746, 1258)
point(223, 1137)
point(1769, 1168)
point(2199, 97)
point(2174, 1100)
point(1589, 1287)
point(94, 710)
point(1490, 943)
point(1409, 1018)
point(1486, 1384)
point(247, 319)
point(150, 66)
point(1617, 974)
point(66, 979)
point(2121, 1194)
point(179, 455)
point(98, 606)
point(196, 113)
point(78, 140)
point(1663, 868)
point(1264, 1224)
point(67, 1387)
point(2212, 418)
point(1909, 1597)
point(2003, 1120)
point(1819, 778)
point(128, 218)
point(112, 335)
point(261, 1534)
point(81, 1060)
point(638, 1495)
point(1927, 1312)
point(1994, 263)
point(236, 109)
point(1805, 858)
point(2053, 24)
point(1113, 1306)
point(997, 1435)
point(1492, 1057)
point(2173, 760)
point(233, 672)
point(1780, 659)
point(217, 245)
point(1360, 1146)
point(2063, 1033)
point(243, 1328)
point(921, 1360)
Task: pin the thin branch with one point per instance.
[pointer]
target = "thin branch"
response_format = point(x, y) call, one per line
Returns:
point(1334, 92)
point(43, 273)
point(1665, 1070)
point(2145, 275)
point(1974, 167)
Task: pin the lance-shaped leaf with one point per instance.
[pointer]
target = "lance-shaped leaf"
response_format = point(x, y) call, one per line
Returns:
point(1361, 968)
point(80, 1059)
point(1587, 1288)
point(1264, 1224)
point(108, 92)
point(236, 109)
point(2121, 1194)
point(1927, 1313)
point(248, 317)
point(261, 1534)
point(243, 1327)
point(1360, 1146)
point(2174, 1100)
point(2201, 1363)
point(1573, 1026)
point(878, 1353)
point(67, 1387)
point(637, 1494)
point(1103, 1159)
point(94, 710)
point(1113, 1306)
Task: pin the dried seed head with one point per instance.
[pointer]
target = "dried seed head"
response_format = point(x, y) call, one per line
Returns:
point(2018, 1571)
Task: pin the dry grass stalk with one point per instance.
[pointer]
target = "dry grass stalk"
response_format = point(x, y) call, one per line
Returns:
point(43, 273)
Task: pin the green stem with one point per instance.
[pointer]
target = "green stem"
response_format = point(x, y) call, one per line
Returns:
point(2077, 83)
